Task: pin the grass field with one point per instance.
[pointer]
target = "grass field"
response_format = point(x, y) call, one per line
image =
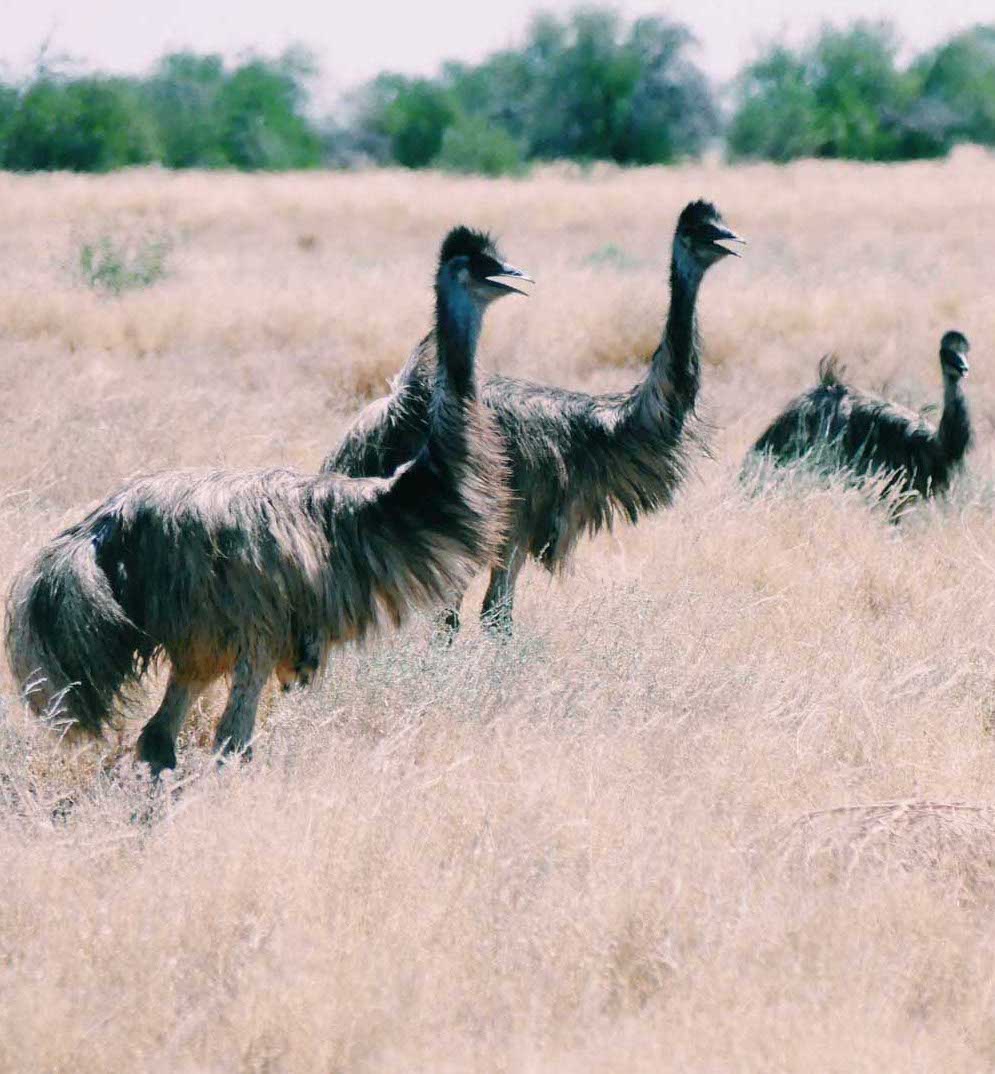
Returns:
point(726, 801)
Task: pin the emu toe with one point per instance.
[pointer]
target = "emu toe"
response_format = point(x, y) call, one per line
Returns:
point(229, 753)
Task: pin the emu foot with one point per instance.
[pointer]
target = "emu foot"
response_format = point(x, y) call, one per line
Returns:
point(229, 752)
point(156, 749)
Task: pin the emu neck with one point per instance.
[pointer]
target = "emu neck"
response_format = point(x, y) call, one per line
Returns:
point(954, 433)
point(669, 392)
point(457, 329)
point(681, 331)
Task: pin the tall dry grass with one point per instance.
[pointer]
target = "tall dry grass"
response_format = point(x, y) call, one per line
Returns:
point(725, 802)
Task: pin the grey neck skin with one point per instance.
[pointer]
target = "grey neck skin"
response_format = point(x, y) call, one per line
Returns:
point(954, 433)
point(458, 320)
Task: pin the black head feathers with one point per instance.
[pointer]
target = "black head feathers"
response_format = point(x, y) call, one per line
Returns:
point(956, 342)
point(697, 213)
point(463, 241)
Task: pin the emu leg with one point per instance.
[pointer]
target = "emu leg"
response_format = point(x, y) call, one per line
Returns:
point(496, 613)
point(237, 721)
point(157, 742)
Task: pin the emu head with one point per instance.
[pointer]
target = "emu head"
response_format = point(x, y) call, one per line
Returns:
point(479, 265)
point(700, 234)
point(954, 349)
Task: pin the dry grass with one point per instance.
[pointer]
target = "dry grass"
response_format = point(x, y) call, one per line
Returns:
point(726, 801)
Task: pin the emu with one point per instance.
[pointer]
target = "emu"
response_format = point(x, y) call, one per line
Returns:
point(869, 435)
point(577, 460)
point(224, 573)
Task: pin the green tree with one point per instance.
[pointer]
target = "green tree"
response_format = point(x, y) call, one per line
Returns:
point(842, 95)
point(409, 117)
point(84, 124)
point(860, 94)
point(670, 112)
point(182, 96)
point(958, 86)
point(261, 115)
point(590, 88)
point(472, 144)
point(776, 117)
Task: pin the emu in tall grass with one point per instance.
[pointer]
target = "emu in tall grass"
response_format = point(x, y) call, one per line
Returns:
point(869, 435)
point(224, 573)
point(577, 460)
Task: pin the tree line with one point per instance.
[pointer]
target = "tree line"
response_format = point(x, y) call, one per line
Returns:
point(590, 86)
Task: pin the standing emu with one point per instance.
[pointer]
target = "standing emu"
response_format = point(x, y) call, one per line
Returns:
point(577, 460)
point(869, 435)
point(224, 573)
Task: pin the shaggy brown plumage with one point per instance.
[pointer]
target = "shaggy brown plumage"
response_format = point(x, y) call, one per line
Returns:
point(844, 428)
point(578, 461)
point(225, 573)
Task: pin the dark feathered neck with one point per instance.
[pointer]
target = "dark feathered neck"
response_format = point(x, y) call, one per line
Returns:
point(677, 360)
point(457, 330)
point(954, 432)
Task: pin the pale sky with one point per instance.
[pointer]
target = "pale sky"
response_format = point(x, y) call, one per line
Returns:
point(358, 38)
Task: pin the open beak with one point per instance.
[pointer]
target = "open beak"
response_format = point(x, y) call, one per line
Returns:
point(515, 274)
point(957, 361)
point(723, 234)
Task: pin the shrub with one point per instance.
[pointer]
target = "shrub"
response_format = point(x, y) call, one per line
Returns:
point(958, 87)
point(587, 88)
point(113, 266)
point(840, 96)
point(472, 144)
point(408, 116)
point(89, 124)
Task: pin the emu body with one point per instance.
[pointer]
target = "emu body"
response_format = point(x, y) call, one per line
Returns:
point(577, 461)
point(225, 573)
point(869, 435)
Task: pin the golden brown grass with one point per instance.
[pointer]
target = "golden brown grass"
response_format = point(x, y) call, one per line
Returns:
point(725, 803)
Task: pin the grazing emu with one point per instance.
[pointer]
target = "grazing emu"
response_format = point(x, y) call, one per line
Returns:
point(869, 435)
point(577, 460)
point(226, 573)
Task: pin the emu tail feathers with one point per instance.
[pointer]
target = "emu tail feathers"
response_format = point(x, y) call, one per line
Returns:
point(389, 431)
point(70, 645)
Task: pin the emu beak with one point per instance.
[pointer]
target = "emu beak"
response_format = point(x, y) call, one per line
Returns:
point(957, 361)
point(724, 234)
point(514, 273)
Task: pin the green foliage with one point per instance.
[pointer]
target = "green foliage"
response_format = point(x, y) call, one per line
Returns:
point(261, 117)
point(471, 144)
point(408, 116)
point(88, 124)
point(586, 88)
point(775, 118)
point(113, 266)
point(601, 93)
point(844, 95)
point(191, 112)
point(860, 96)
point(182, 96)
point(958, 87)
